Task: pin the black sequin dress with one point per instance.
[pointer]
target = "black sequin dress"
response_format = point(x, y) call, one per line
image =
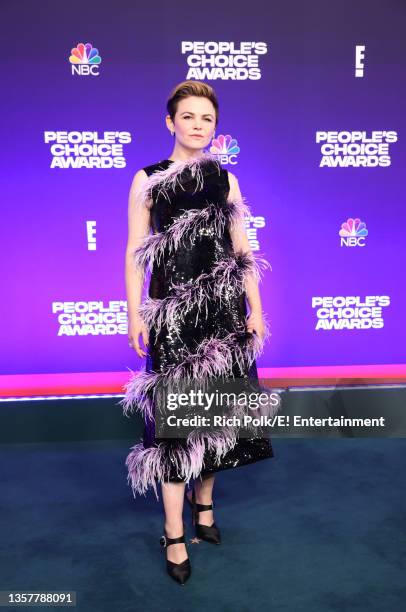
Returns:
point(195, 313)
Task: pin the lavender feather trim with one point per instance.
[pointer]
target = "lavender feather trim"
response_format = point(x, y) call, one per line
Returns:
point(240, 208)
point(139, 391)
point(186, 227)
point(214, 357)
point(162, 182)
point(147, 466)
point(226, 278)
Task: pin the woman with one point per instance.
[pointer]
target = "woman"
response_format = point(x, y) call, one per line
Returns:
point(194, 321)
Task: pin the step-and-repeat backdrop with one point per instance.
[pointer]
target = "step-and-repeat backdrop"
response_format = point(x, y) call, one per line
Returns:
point(311, 122)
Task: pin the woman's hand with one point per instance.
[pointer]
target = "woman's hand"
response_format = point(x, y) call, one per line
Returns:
point(137, 327)
point(255, 322)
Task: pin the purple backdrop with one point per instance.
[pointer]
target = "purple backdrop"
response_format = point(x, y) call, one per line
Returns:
point(307, 85)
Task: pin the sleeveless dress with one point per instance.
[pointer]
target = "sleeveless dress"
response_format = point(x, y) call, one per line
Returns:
point(195, 313)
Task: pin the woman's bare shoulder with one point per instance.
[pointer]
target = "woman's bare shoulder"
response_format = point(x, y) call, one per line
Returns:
point(139, 178)
point(232, 178)
point(234, 192)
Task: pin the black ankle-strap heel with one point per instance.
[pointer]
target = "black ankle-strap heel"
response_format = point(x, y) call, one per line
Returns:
point(203, 532)
point(178, 571)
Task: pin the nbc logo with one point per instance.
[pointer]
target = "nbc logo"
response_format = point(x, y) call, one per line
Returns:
point(85, 60)
point(353, 233)
point(226, 149)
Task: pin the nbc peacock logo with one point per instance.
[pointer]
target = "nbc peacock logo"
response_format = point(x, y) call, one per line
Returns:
point(225, 148)
point(85, 60)
point(353, 233)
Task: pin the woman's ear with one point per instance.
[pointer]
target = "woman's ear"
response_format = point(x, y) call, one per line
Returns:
point(169, 124)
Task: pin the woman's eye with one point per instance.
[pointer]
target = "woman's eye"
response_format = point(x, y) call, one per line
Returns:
point(189, 117)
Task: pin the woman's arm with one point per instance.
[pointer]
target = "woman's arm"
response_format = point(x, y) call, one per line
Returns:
point(240, 243)
point(138, 229)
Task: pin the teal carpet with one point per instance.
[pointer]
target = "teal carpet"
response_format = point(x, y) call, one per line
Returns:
point(319, 527)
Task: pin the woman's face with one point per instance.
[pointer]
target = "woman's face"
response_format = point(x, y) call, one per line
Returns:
point(194, 122)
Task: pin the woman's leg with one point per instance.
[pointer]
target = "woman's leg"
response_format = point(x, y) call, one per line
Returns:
point(204, 495)
point(173, 495)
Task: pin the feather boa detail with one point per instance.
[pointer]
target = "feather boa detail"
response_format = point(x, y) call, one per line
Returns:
point(226, 278)
point(162, 182)
point(186, 227)
point(213, 358)
point(147, 466)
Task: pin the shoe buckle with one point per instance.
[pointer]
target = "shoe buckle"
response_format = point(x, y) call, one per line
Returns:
point(162, 541)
